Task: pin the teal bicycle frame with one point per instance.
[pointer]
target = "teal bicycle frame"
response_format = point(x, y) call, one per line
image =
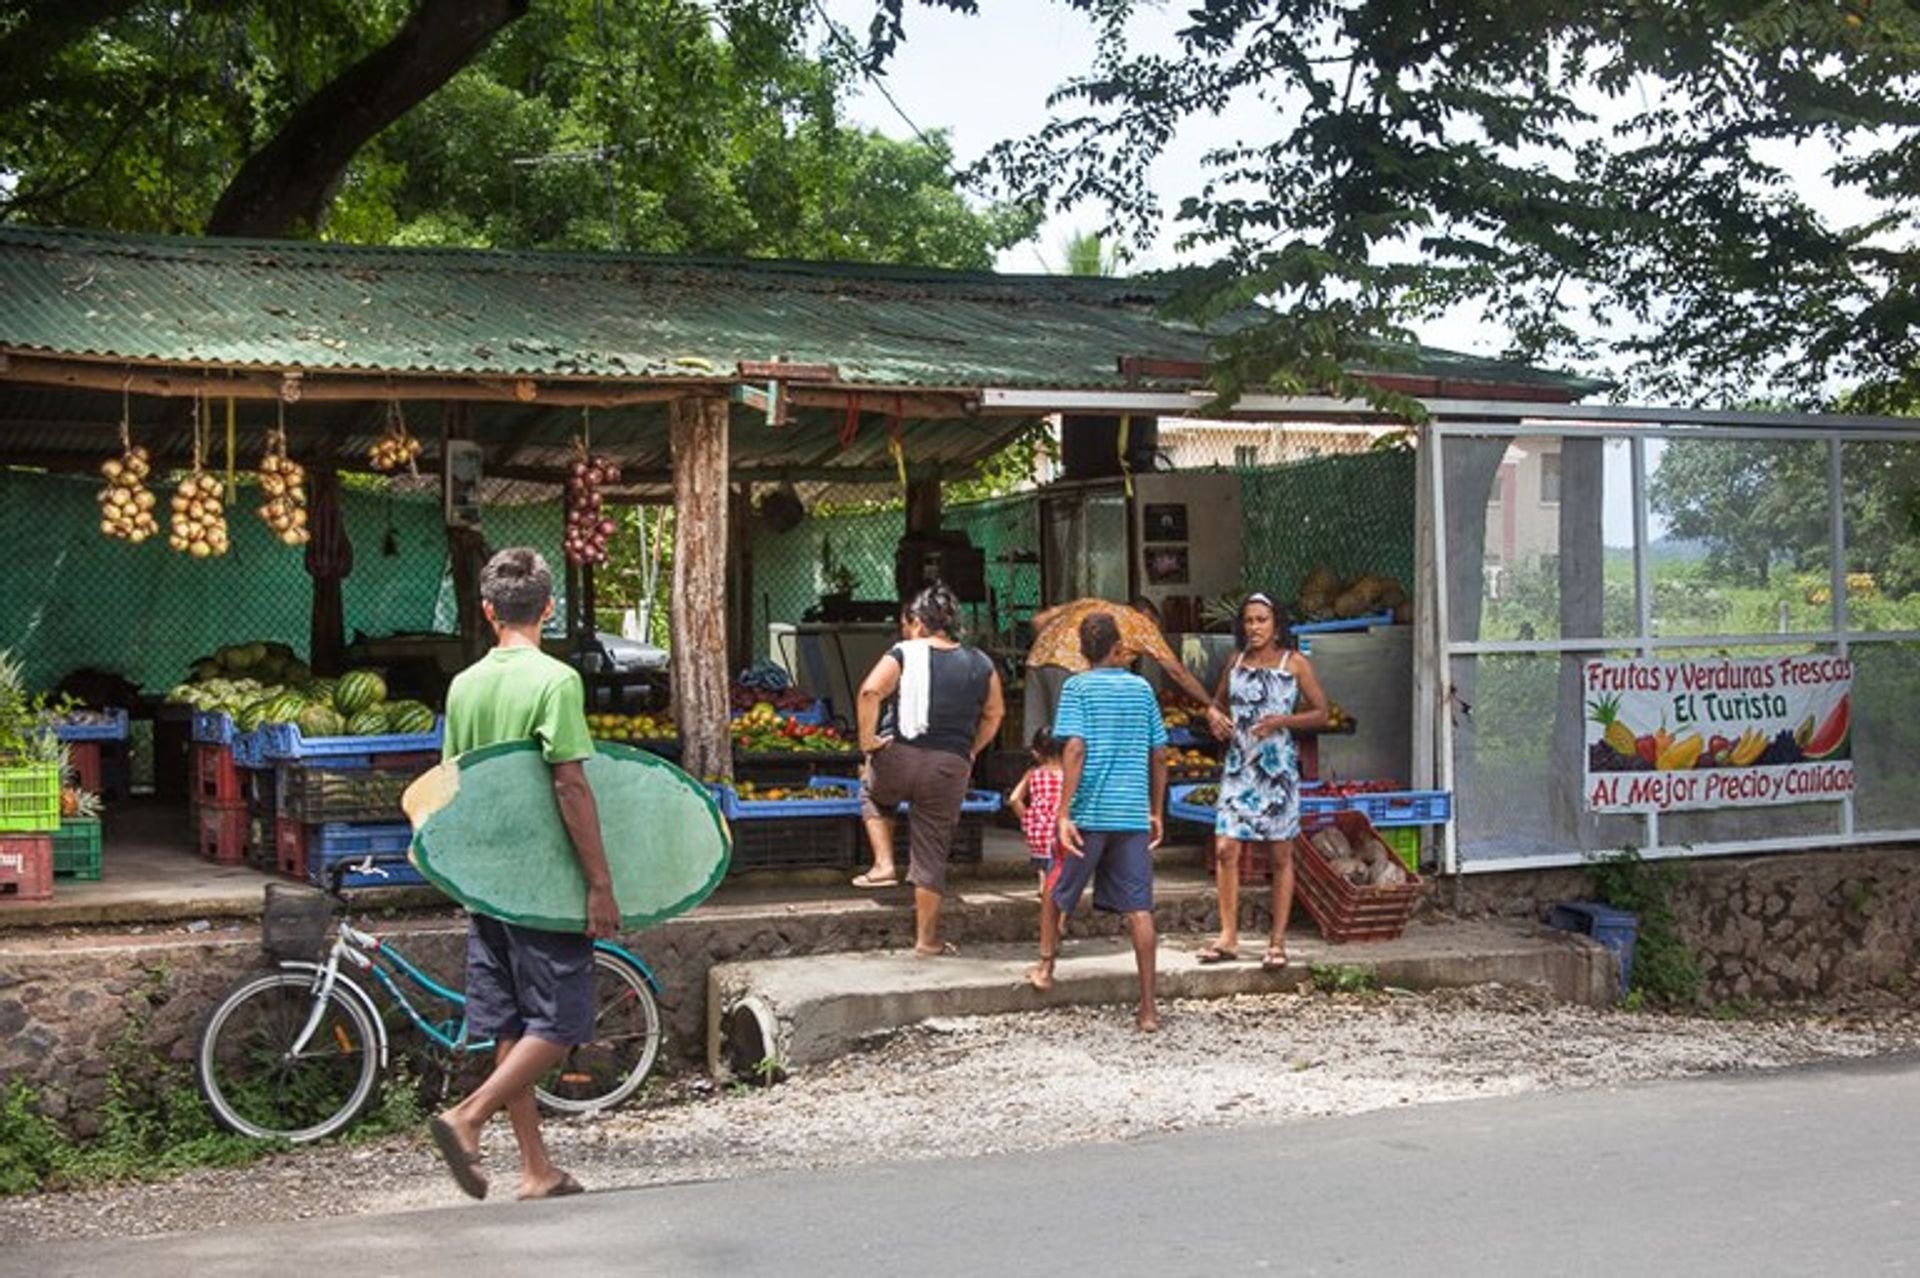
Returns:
point(375, 956)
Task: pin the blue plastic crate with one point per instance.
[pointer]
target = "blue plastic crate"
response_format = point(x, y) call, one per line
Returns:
point(1618, 930)
point(284, 741)
point(975, 803)
point(212, 727)
point(113, 731)
point(1181, 809)
point(250, 751)
point(817, 715)
point(1403, 807)
point(735, 809)
point(1346, 623)
point(386, 871)
point(335, 839)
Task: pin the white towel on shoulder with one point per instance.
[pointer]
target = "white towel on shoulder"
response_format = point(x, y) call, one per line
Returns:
point(916, 688)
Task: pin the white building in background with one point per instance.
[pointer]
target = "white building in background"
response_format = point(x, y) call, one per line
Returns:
point(1523, 511)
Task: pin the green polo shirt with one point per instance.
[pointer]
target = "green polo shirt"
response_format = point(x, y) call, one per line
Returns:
point(518, 694)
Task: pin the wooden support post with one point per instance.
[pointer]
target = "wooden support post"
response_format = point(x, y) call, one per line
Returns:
point(923, 507)
point(740, 613)
point(698, 434)
point(466, 553)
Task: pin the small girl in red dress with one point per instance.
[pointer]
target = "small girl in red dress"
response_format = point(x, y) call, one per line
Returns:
point(1036, 801)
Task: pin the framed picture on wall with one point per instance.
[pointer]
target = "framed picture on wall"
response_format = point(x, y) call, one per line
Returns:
point(1167, 565)
point(1164, 522)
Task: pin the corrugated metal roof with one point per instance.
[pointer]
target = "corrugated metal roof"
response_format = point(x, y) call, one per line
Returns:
point(614, 316)
point(332, 307)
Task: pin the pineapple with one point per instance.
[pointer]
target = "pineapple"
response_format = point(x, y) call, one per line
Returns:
point(1606, 713)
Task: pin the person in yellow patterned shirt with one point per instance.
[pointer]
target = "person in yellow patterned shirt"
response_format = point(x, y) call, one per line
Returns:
point(1055, 655)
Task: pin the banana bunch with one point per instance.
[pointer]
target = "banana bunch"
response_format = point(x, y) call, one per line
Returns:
point(199, 525)
point(1749, 746)
point(284, 481)
point(126, 506)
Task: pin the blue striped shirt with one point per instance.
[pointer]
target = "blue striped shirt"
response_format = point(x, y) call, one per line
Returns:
point(1114, 712)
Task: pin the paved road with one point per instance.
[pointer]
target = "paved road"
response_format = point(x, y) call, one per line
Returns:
point(1813, 1171)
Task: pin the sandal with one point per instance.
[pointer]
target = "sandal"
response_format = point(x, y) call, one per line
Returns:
point(1275, 959)
point(462, 1164)
point(1218, 954)
point(946, 949)
point(565, 1187)
point(872, 880)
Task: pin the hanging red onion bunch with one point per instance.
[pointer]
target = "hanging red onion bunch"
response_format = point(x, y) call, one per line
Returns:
point(588, 529)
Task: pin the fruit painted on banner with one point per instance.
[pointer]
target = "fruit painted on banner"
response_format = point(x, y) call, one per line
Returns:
point(1832, 732)
point(1681, 754)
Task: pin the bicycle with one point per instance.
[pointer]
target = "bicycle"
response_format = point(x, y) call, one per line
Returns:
point(297, 1053)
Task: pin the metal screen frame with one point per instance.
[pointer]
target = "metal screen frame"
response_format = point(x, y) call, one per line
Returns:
point(1433, 721)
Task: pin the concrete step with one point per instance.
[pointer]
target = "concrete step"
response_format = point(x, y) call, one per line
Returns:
point(788, 1013)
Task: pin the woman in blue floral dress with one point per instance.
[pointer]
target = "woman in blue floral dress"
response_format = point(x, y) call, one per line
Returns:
point(1270, 691)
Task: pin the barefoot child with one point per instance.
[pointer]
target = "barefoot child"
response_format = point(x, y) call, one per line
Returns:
point(1036, 801)
point(1112, 791)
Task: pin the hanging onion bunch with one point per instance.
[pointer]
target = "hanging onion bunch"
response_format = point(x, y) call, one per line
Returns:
point(284, 481)
point(588, 529)
point(126, 505)
point(199, 517)
point(397, 445)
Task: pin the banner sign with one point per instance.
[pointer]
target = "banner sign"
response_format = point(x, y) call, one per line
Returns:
point(1663, 736)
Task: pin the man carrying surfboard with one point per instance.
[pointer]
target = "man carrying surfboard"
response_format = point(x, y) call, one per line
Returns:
point(531, 991)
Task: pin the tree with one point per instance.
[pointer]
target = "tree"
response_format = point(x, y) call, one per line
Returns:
point(1757, 505)
point(662, 125)
point(1606, 179)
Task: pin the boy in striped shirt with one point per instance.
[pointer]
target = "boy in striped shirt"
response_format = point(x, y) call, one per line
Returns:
point(1111, 795)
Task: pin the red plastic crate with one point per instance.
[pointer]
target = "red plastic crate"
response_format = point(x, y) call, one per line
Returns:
point(83, 762)
point(26, 868)
point(223, 832)
point(216, 779)
point(1345, 911)
point(290, 848)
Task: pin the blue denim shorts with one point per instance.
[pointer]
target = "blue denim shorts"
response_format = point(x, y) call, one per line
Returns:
point(521, 981)
point(1118, 863)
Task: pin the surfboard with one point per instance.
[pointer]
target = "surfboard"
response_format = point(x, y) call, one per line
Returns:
point(487, 832)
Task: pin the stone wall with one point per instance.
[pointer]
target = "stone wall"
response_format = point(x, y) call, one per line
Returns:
point(71, 1008)
point(1789, 926)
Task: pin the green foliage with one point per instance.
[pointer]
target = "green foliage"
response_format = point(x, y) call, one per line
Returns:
point(1570, 169)
point(652, 125)
point(1666, 972)
point(149, 1131)
point(1343, 978)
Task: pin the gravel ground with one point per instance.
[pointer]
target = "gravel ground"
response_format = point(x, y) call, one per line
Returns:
point(974, 1086)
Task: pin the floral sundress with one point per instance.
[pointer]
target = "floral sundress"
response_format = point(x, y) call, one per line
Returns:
point(1260, 781)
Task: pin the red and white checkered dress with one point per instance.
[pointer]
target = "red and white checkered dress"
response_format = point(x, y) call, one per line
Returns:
point(1041, 822)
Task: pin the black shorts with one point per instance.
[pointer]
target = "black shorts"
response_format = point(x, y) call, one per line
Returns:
point(522, 982)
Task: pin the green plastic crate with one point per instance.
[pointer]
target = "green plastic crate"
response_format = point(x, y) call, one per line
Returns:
point(1405, 842)
point(76, 848)
point(30, 798)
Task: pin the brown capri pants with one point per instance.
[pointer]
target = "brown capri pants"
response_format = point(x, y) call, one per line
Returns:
point(935, 783)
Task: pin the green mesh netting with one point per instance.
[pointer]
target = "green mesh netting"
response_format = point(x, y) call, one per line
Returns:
point(1349, 514)
point(75, 598)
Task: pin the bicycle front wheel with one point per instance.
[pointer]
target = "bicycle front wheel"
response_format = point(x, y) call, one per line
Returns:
point(626, 1039)
point(259, 1086)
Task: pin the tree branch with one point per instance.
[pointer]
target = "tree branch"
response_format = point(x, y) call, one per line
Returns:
point(289, 181)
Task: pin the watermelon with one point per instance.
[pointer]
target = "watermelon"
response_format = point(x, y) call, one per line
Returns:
point(371, 722)
point(409, 717)
point(321, 721)
point(251, 715)
point(284, 708)
point(319, 690)
point(358, 690)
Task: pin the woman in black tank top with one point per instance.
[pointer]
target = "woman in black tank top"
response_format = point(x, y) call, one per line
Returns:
point(926, 710)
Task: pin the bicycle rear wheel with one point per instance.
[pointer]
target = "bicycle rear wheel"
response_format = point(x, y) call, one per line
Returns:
point(626, 1039)
point(254, 1082)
